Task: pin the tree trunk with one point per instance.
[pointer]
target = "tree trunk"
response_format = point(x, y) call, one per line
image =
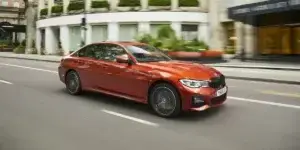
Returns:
point(30, 27)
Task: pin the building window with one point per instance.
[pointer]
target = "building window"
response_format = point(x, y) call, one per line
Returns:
point(99, 33)
point(296, 40)
point(189, 32)
point(279, 40)
point(128, 32)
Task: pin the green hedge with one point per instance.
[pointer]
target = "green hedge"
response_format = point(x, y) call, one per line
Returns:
point(100, 4)
point(76, 5)
point(188, 3)
point(20, 49)
point(58, 9)
point(159, 2)
point(44, 12)
point(129, 3)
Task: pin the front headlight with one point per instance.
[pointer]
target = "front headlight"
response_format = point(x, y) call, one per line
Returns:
point(194, 83)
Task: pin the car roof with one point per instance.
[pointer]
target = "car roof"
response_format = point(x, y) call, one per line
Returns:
point(123, 43)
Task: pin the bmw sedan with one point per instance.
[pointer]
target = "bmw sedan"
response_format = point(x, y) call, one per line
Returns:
point(142, 73)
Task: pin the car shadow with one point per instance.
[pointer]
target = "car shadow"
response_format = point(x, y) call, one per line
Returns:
point(121, 103)
point(201, 115)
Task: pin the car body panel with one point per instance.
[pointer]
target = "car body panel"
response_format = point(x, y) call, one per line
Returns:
point(133, 81)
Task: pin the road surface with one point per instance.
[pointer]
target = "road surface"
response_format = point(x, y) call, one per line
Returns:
point(36, 113)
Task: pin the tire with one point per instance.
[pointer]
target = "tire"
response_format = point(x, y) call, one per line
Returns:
point(73, 83)
point(165, 100)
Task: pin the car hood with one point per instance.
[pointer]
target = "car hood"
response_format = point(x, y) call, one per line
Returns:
point(182, 69)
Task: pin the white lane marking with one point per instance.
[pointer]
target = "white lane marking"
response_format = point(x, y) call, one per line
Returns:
point(5, 82)
point(264, 102)
point(270, 92)
point(131, 118)
point(31, 68)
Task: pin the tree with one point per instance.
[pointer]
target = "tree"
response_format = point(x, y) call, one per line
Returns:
point(30, 18)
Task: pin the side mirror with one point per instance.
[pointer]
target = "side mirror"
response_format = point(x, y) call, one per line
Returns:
point(123, 59)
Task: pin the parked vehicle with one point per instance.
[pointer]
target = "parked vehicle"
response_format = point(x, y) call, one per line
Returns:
point(139, 72)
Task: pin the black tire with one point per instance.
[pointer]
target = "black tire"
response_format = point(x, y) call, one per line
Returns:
point(73, 83)
point(165, 94)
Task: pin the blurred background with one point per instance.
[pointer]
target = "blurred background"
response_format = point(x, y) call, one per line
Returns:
point(187, 29)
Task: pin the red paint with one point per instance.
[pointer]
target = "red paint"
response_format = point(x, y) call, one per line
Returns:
point(134, 81)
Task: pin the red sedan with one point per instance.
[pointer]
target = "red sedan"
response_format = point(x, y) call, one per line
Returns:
point(139, 72)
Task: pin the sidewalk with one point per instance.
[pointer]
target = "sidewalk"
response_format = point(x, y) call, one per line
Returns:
point(258, 65)
point(233, 69)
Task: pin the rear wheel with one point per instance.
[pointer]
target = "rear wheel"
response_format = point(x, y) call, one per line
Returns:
point(165, 100)
point(73, 83)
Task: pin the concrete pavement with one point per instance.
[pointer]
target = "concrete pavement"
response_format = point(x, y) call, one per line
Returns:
point(37, 113)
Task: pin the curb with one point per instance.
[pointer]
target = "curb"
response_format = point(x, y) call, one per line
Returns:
point(35, 59)
point(258, 67)
point(264, 80)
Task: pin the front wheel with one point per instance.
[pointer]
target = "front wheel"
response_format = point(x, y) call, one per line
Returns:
point(73, 83)
point(165, 100)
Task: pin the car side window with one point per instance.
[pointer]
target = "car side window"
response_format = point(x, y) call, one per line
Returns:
point(109, 52)
point(88, 51)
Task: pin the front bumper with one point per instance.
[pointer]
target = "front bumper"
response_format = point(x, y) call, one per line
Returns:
point(202, 98)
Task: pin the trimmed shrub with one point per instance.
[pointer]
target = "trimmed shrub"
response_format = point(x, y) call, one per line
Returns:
point(188, 3)
point(165, 31)
point(129, 3)
point(159, 2)
point(76, 5)
point(20, 49)
point(44, 12)
point(58, 9)
point(100, 4)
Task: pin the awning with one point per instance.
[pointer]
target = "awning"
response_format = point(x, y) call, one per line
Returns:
point(8, 27)
point(265, 7)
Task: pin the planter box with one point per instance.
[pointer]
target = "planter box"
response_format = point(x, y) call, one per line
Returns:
point(76, 11)
point(56, 14)
point(190, 8)
point(205, 57)
point(196, 55)
point(99, 10)
point(43, 17)
point(129, 8)
point(157, 8)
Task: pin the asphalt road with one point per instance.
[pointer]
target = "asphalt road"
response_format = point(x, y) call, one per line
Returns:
point(36, 113)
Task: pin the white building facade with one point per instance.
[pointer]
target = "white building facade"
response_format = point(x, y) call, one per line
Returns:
point(118, 23)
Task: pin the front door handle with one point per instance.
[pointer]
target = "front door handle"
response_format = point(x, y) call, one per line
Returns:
point(105, 66)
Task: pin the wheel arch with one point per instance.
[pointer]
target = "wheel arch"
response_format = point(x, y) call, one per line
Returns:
point(159, 81)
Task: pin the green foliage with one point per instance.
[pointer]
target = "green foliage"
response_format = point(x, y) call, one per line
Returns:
point(188, 3)
point(159, 2)
point(23, 43)
point(44, 12)
point(129, 3)
point(165, 31)
point(167, 40)
point(76, 5)
point(100, 4)
point(20, 49)
point(58, 9)
point(230, 51)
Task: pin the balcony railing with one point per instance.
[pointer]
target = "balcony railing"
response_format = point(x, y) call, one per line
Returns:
point(78, 6)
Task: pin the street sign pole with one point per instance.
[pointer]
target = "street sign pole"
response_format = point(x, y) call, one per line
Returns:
point(83, 27)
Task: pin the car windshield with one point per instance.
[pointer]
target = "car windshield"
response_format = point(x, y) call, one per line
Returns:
point(147, 53)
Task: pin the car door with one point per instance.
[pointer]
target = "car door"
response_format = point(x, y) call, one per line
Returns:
point(102, 71)
point(124, 78)
point(85, 64)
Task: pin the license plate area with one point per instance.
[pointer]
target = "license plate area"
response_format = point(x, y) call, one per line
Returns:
point(221, 91)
